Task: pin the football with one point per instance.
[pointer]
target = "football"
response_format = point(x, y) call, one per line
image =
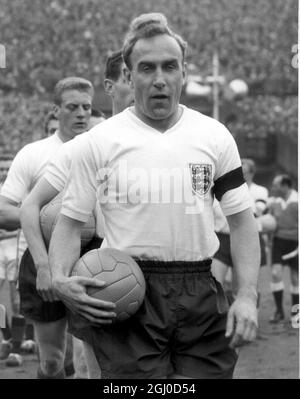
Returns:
point(48, 218)
point(125, 280)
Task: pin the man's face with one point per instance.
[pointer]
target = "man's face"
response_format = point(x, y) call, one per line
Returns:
point(53, 125)
point(74, 113)
point(4, 166)
point(157, 77)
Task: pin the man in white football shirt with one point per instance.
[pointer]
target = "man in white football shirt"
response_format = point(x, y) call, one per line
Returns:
point(73, 100)
point(57, 173)
point(182, 330)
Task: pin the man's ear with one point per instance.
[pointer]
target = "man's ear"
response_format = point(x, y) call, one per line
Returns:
point(109, 86)
point(128, 76)
point(56, 110)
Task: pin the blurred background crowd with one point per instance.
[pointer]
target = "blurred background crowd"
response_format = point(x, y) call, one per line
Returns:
point(256, 42)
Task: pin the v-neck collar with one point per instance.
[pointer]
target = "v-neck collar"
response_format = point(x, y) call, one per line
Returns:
point(145, 126)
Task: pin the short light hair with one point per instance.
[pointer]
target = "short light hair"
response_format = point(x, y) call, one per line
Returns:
point(71, 83)
point(113, 66)
point(146, 26)
point(250, 163)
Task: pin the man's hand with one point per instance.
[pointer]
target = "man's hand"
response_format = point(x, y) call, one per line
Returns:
point(44, 284)
point(72, 291)
point(242, 321)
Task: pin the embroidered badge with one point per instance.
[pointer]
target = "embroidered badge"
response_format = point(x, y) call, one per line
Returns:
point(201, 175)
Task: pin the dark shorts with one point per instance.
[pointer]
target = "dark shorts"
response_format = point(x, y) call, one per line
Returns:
point(32, 306)
point(224, 255)
point(282, 247)
point(180, 328)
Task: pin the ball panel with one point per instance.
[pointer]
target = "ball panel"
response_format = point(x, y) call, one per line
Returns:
point(125, 281)
point(115, 290)
point(48, 219)
point(80, 269)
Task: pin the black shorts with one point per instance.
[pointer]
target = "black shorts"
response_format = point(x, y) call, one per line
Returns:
point(282, 247)
point(224, 255)
point(180, 328)
point(32, 306)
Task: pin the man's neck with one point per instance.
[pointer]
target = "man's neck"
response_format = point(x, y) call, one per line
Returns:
point(162, 125)
point(63, 137)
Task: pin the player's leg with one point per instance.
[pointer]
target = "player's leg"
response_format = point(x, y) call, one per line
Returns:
point(93, 369)
point(294, 292)
point(68, 363)
point(51, 340)
point(48, 319)
point(6, 345)
point(85, 362)
point(15, 358)
point(80, 366)
point(29, 345)
point(277, 288)
point(277, 284)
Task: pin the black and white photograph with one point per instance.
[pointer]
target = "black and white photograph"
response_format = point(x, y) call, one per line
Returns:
point(149, 192)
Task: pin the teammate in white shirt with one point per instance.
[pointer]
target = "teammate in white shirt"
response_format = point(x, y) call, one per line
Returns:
point(179, 331)
point(73, 99)
point(57, 173)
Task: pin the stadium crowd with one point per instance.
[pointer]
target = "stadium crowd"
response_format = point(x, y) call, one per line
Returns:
point(47, 41)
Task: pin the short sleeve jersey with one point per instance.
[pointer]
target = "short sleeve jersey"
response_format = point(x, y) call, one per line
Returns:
point(156, 189)
point(57, 174)
point(28, 167)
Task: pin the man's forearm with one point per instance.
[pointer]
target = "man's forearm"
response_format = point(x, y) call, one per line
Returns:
point(30, 222)
point(245, 250)
point(64, 248)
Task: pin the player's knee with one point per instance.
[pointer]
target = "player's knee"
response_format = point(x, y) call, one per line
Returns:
point(52, 366)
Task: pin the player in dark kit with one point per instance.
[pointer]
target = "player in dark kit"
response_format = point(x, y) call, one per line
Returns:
point(184, 328)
